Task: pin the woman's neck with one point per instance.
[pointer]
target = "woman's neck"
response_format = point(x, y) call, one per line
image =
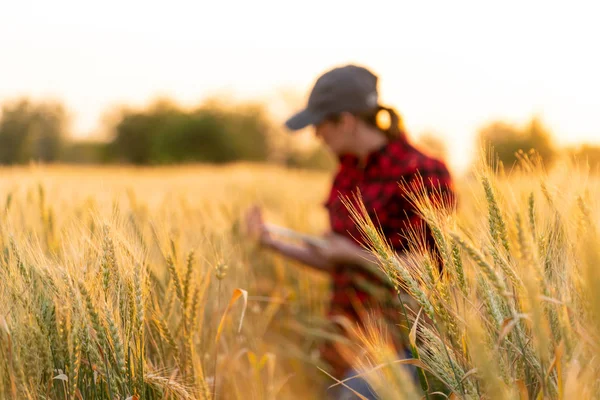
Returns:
point(369, 141)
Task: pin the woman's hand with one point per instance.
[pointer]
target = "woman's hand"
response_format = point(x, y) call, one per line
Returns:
point(337, 249)
point(255, 225)
point(255, 228)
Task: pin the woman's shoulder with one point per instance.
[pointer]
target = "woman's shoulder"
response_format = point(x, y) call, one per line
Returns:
point(404, 159)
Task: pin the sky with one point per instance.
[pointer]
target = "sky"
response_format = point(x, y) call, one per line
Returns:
point(447, 67)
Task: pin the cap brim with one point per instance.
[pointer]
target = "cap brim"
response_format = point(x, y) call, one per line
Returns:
point(302, 119)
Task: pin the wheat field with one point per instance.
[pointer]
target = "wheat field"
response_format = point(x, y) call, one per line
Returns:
point(138, 283)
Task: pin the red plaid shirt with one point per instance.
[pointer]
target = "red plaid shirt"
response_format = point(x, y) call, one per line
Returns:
point(378, 181)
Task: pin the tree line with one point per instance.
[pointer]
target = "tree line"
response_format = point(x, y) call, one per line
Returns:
point(161, 133)
point(165, 133)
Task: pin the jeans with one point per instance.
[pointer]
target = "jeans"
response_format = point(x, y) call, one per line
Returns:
point(361, 386)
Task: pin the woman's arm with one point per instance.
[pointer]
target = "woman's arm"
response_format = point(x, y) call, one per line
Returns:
point(305, 255)
point(341, 250)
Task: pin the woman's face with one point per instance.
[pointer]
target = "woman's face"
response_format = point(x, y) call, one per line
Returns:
point(338, 135)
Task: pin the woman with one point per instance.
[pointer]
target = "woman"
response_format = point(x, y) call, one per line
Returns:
point(343, 108)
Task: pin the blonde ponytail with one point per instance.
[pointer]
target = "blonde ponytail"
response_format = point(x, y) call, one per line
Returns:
point(394, 128)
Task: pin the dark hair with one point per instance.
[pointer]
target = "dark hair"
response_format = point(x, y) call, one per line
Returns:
point(393, 131)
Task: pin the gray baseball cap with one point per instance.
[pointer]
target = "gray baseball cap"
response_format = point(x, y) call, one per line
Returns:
point(344, 89)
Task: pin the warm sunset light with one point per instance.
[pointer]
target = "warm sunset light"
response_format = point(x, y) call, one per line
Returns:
point(298, 200)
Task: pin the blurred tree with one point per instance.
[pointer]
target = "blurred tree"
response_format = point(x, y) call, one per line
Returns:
point(587, 155)
point(135, 132)
point(86, 152)
point(214, 133)
point(32, 131)
point(248, 128)
point(198, 136)
point(317, 158)
point(506, 140)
